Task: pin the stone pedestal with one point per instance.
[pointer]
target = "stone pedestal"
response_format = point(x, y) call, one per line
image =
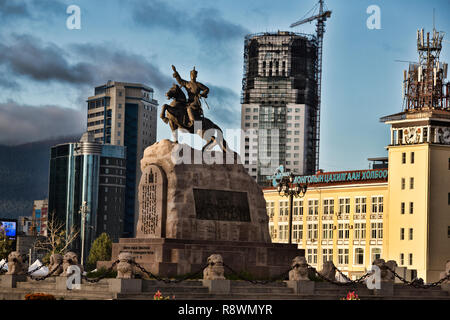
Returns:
point(386, 289)
point(125, 285)
point(218, 286)
point(170, 257)
point(302, 286)
point(191, 207)
point(10, 280)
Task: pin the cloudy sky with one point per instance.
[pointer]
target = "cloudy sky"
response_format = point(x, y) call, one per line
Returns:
point(47, 71)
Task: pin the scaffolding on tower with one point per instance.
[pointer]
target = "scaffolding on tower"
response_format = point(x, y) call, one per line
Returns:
point(321, 17)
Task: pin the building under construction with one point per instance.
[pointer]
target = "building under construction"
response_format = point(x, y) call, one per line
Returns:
point(280, 104)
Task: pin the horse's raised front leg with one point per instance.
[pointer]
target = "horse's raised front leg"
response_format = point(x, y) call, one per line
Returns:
point(163, 114)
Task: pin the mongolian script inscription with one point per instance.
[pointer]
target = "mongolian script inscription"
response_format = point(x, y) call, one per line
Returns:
point(149, 215)
point(151, 198)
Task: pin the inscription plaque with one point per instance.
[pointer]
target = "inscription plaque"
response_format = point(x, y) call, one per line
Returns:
point(152, 200)
point(221, 205)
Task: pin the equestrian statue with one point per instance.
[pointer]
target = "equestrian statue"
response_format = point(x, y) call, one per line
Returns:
point(182, 113)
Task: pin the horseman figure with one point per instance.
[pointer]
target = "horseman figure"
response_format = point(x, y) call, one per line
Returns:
point(195, 90)
point(182, 112)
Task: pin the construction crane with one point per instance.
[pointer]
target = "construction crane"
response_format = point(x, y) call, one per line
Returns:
point(321, 18)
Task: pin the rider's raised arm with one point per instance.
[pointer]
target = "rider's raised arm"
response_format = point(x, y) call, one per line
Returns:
point(176, 75)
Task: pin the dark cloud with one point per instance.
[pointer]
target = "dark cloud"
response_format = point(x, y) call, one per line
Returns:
point(42, 62)
point(13, 9)
point(25, 123)
point(108, 64)
point(30, 9)
point(27, 56)
point(7, 83)
point(206, 24)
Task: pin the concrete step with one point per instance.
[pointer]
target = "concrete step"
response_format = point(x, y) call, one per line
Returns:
point(261, 290)
point(36, 285)
point(240, 283)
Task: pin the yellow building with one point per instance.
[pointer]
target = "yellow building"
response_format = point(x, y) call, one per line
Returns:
point(341, 220)
point(406, 216)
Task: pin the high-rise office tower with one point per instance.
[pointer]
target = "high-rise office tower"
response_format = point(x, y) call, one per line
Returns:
point(279, 104)
point(91, 173)
point(125, 114)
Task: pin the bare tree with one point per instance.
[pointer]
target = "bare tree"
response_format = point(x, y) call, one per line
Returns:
point(57, 239)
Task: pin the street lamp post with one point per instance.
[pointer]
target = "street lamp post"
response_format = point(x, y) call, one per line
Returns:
point(287, 188)
point(83, 212)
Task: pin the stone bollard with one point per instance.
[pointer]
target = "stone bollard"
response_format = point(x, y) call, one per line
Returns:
point(125, 281)
point(387, 277)
point(70, 258)
point(401, 271)
point(56, 260)
point(214, 276)
point(16, 265)
point(125, 268)
point(62, 281)
point(298, 277)
point(329, 270)
point(16, 271)
point(446, 284)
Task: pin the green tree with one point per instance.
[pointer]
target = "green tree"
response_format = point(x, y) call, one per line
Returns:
point(100, 251)
point(6, 246)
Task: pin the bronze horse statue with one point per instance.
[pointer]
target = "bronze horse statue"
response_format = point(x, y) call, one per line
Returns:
point(176, 115)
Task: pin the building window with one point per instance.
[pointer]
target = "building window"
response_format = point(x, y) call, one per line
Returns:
point(284, 208)
point(402, 208)
point(410, 233)
point(377, 230)
point(344, 205)
point(327, 231)
point(402, 233)
point(328, 206)
point(360, 205)
point(312, 231)
point(343, 230)
point(402, 259)
point(273, 233)
point(297, 232)
point(360, 231)
point(298, 208)
point(377, 204)
point(403, 183)
point(410, 259)
point(411, 207)
point(359, 256)
point(283, 232)
point(342, 256)
point(411, 183)
point(270, 207)
point(376, 254)
point(403, 157)
point(412, 157)
point(312, 256)
point(327, 255)
point(313, 207)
